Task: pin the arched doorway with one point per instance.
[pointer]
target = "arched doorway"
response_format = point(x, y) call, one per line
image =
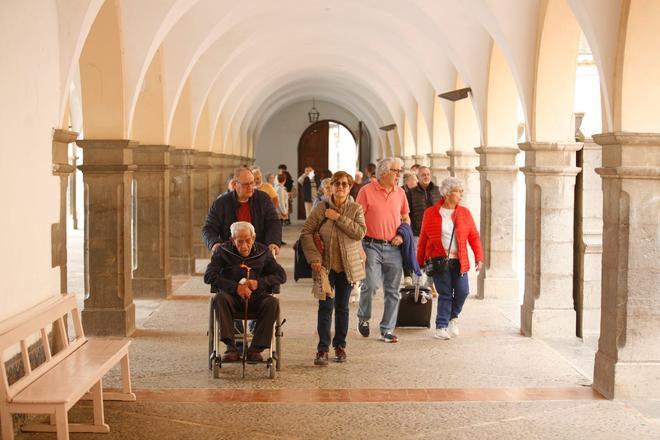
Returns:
point(318, 143)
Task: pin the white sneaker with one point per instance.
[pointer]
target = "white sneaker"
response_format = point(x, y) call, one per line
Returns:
point(453, 327)
point(442, 333)
point(407, 281)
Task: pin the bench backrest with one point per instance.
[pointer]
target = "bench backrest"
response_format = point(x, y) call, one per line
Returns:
point(20, 329)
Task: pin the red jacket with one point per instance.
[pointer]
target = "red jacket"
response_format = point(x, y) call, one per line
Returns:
point(430, 236)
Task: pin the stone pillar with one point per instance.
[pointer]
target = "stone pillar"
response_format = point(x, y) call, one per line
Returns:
point(439, 164)
point(421, 159)
point(550, 171)
point(201, 169)
point(628, 359)
point(499, 201)
point(589, 245)
point(152, 277)
point(408, 161)
point(182, 259)
point(62, 169)
point(217, 177)
point(108, 175)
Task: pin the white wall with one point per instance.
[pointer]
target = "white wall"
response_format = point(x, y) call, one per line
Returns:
point(29, 87)
point(278, 142)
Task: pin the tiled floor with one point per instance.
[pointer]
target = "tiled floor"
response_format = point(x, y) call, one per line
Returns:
point(490, 382)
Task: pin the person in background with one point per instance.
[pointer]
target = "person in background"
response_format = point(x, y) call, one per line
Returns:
point(409, 182)
point(231, 183)
point(414, 168)
point(341, 227)
point(291, 190)
point(283, 198)
point(325, 192)
point(264, 186)
point(369, 172)
point(357, 184)
point(447, 229)
point(270, 178)
point(385, 208)
point(309, 183)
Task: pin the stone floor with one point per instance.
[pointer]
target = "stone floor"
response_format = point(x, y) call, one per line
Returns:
point(490, 382)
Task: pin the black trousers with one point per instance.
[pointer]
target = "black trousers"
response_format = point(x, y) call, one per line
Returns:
point(264, 308)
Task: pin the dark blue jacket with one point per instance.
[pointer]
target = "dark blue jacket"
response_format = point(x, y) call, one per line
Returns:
point(408, 251)
point(224, 271)
point(223, 211)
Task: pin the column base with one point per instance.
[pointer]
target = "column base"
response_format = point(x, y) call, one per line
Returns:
point(182, 265)
point(500, 288)
point(109, 321)
point(152, 287)
point(626, 380)
point(542, 323)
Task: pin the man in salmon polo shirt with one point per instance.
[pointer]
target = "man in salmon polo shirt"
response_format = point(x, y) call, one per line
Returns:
point(385, 208)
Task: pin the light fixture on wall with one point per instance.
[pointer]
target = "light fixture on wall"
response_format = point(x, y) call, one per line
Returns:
point(456, 95)
point(388, 127)
point(313, 113)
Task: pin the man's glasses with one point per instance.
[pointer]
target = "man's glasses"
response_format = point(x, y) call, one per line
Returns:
point(241, 243)
point(246, 183)
point(393, 170)
point(344, 184)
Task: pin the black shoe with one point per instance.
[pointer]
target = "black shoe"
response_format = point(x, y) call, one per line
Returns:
point(363, 328)
point(231, 355)
point(321, 358)
point(254, 357)
point(340, 354)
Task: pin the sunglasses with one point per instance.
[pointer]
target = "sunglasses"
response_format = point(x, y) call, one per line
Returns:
point(344, 184)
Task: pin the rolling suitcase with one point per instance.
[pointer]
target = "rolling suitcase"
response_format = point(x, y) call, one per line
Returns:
point(415, 306)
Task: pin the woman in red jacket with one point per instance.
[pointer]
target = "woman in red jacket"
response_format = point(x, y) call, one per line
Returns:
point(438, 238)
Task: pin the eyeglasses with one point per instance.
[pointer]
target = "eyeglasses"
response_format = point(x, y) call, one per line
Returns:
point(246, 183)
point(338, 184)
point(393, 170)
point(241, 243)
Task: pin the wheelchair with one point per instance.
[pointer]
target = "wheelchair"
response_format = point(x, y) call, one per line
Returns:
point(272, 355)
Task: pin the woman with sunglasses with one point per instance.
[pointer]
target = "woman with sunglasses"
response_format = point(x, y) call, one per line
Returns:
point(340, 225)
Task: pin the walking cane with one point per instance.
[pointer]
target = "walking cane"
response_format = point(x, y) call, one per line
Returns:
point(245, 319)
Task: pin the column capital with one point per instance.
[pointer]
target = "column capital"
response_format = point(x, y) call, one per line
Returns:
point(181, 158)
point(66, 136)
point(201, 160)
point(107, 155)
point(629, 155)
point(550, 146)
point(61, 141)
point(497, 150)
point(152, 158)
point(497, 159)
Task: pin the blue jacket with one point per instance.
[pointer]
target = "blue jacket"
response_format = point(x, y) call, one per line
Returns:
point(408, 251)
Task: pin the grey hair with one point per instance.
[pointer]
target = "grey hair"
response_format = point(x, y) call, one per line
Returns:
point(448, 184)
point(239, 226)
point(384, 165)
point(423, 167)
point(237, 171)
point(325, 183)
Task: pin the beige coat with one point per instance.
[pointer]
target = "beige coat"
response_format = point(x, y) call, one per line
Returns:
point(349, 229)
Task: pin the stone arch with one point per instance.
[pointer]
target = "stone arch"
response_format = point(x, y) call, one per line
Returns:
point(637, 90)
point(554, 92)
point(101, 77)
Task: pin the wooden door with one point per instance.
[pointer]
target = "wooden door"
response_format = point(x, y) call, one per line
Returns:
point(312, 151)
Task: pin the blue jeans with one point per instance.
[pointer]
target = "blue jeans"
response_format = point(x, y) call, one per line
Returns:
point(384, 263)
point(453, 289)
point(340, 304)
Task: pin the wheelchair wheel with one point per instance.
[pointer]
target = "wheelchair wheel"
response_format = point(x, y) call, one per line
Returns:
point(272, 373)
point(277, 356)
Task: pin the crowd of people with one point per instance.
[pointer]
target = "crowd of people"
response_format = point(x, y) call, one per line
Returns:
point(366, 230)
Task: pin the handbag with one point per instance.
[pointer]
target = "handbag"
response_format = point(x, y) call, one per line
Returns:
point(438, 265)
point(301, 267)
point(318, 241)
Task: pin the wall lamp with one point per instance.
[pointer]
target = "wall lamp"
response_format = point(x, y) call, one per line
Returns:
point(456, 95)
point(388, 127)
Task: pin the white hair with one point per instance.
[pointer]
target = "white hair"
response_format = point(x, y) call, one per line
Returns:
point(239, 226)
point(384, 166)
point(448, 184)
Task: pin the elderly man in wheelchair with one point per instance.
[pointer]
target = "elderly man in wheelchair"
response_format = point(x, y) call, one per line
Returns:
point(241, 273)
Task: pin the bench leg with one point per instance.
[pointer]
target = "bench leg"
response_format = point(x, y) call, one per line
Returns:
point(7, 426)
point(97, 401)
point(62, 421)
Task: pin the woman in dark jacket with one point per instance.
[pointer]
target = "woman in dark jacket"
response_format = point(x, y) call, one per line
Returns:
point(438, 238)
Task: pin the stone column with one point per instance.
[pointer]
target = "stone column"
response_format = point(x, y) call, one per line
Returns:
point(408, 161)
point(421, 159)
point(589, 245)
point(628, 358)
point(62, 169)
point(152, 277)
point(499, 201)
point(108, 175)
point(217, 177)
point(439, 164)
point(200, 185)
point(182, 259)
point(550, 171)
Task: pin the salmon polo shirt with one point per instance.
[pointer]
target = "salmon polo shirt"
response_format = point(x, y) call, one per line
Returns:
point(382, 210)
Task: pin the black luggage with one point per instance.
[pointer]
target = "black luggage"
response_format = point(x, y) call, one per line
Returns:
point(301, 268)
point(415, 307)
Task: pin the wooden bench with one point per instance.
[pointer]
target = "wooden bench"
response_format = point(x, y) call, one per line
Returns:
point(73, 373)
